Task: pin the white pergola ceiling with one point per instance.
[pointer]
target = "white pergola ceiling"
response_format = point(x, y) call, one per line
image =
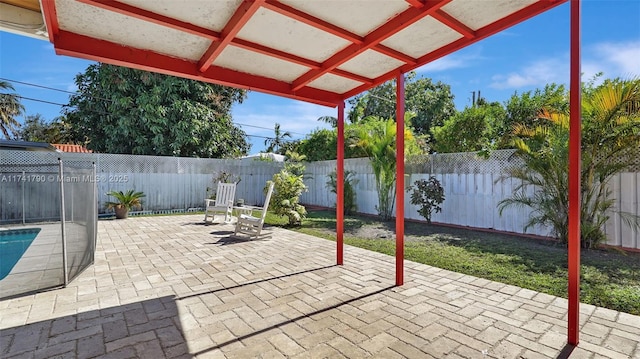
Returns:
point(320, 51)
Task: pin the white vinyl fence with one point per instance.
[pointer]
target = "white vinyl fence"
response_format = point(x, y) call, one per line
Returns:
point(473, 186)
point(168, 182)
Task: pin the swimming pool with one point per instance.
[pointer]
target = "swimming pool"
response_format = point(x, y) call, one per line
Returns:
point(13, 244)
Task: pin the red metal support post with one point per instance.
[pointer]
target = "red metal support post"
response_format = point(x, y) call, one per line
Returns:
point(575, 109)
point(340, 187)
point(400, 179)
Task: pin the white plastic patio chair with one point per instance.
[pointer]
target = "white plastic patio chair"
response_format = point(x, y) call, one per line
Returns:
point(250, 225)
point(223, 203)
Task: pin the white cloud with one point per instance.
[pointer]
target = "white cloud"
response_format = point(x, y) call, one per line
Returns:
point(442, 64)
point(614, 59)
point(535, 74)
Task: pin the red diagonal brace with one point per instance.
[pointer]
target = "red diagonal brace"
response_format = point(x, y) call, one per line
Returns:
point(395, 54)
point(235, 24)
point(454, 23)
point(264, 50)
point(393, 26)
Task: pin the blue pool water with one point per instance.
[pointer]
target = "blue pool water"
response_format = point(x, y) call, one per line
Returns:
point(13, 244)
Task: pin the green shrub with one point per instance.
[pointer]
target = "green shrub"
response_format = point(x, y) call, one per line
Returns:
point(289, 185)
point(349, 191)
point(130, 199)
point(286, 197)
point(429, 195)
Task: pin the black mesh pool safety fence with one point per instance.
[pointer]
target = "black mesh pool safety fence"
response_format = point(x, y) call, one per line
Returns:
point(48, 222)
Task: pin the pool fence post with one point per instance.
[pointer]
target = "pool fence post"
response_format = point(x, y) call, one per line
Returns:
point(23, 209)
point(62, 219)
point(72, 203)
point(94, 204)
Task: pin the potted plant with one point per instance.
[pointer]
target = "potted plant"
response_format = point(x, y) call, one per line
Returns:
point(124, 202)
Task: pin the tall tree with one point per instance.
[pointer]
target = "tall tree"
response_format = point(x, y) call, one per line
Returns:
point(431, 102)
point(10, 108)
point(37, 129)
point(322, 144)
point(122, 110)
point(376, 137)
point(278, 140)
point(473, 129)
point(524, 109)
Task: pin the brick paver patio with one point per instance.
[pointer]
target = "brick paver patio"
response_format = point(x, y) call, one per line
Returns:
point(165, 287)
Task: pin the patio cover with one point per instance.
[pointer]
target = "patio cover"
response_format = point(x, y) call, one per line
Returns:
point(323, 52)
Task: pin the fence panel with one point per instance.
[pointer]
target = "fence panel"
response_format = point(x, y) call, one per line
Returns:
point(168, 182)
point(473, 189)
point(625, 188)
point(473, 186)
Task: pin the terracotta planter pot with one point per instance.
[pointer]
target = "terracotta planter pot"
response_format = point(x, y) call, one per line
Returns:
point(121, 212)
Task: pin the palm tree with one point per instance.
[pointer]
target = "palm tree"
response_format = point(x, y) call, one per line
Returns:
point(356, 113)
point(274, 144)
point(331, 120)
point(10, 108)
point(610, 142)
point(376, 137)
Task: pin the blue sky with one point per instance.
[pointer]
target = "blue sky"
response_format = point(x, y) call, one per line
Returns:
point(522, 58)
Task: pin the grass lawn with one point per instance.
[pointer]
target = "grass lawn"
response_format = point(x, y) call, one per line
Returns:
point(609, 279)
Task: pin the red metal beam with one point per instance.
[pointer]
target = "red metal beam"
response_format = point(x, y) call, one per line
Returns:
point(482, 33)
point(400, 179)
point(50, 18)
point(340, 187)
point(86, 47)
point(390, 28)
point(352, 76)
point(240, 17)
point(395, 54)
point(311, 20)
point(575, 109)
point(454, 23)
point(264, 50)
point(415, 3)
point(138, 13)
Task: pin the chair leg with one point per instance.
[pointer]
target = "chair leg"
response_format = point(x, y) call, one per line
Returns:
point(228, 216)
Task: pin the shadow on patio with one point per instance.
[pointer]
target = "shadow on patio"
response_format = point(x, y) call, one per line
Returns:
point(149, 328)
